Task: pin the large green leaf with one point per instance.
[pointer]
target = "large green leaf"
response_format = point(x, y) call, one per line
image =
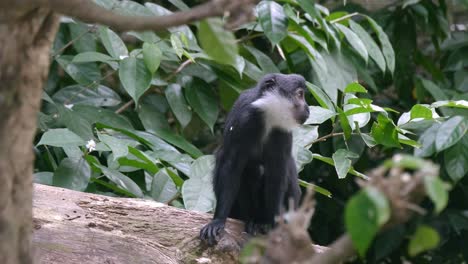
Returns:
point(318, 115)
point(135, 77)
point(92, 56)
point(322, 98)
point(427, 141)
point(355, 41)
point(387, 49)
point(267, 65)
point(385, 132)
point(163, 188)
point(152, 56)
point(118, 146)
point(112, 42)
point(202, 99)
point(178, 141)
point(371, 47)
point(81, 95)
point(197, 191)
point(72, 174)
point(60, 137)
point(342, 161)
point(83, 73)
point(365, 213)
point(450, 132)
point(121, 180)
point(100, 115)
point(425, 238)
point(437, 192)
point(179, 106)
point(456, 159)
point(273, 20)
point(83, 39)
point(420, 111)
point(218, 43)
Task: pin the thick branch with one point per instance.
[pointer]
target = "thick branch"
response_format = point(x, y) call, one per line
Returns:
point(87, 11)
point(76, 227)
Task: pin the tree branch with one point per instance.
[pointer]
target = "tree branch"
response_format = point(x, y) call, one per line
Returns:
point(87, 11)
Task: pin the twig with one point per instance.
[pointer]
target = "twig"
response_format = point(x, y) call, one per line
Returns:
point(344, 17)
point(62, 49)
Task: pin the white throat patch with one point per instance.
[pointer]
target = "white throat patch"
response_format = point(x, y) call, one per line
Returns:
point(278, 111)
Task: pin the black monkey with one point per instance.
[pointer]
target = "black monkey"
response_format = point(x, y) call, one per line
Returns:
point(255, 173)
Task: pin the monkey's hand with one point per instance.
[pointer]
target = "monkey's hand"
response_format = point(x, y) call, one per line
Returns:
point(211, 231)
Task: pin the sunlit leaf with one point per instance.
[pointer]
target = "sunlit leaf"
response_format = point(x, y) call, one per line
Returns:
point(425, 238)
point(135, 77)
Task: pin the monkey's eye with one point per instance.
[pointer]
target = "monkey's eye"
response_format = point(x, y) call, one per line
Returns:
point(300, 94)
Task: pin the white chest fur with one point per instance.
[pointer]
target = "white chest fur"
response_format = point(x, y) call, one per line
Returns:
point(278, 111)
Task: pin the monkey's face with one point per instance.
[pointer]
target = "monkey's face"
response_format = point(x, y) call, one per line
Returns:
point(292, 88)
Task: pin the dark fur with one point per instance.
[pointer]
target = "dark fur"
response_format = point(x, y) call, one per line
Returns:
point(255, 174)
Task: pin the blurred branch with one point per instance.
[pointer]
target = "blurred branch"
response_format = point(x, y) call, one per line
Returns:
point(238, 12)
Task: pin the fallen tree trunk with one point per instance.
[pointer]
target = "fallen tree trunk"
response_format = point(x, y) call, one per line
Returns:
point(76, 227)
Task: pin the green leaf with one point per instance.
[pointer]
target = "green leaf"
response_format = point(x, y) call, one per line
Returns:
point(321, 97)
point(330, 161)
point(342, 161)
point(60, 137)
point(112, 42)
point(318, 115)
point(406, 161)
point(92, 56)
point(83, 73)
point(433, 89)
point(178, 141)
point(218, 43)
point(121, 180)
point(355, 88)
point(371, 46)
point(100, 115)
point(135, 77)
point(197, 191)
point(151, 56)
point(81, 95)
point(179, 106)
point(450, 132)
point(436, 191)
point(420, 111)
point(177, 45)
point(43, 177)
point(273, 20)
point(385, 132)
point(72, 174)
point(302, 157)
point(118, 146)
point(163, 188)
point(354, 40)
point(203, 100)
point(456, 159)
point(387, 49)
point(365, 213)
point(267, 65)
point(427, 141)
point(425, 238)
point(344, 123)
point(83, 39)
point(304, 135)
point(447, 103)
point(309, 49)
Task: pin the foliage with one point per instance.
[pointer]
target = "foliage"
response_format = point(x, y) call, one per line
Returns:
point(137, 114)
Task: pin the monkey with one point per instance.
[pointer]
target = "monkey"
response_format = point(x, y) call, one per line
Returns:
point(255, 173)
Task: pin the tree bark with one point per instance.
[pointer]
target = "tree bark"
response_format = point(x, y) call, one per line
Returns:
point(76, 227)
point(26, 38)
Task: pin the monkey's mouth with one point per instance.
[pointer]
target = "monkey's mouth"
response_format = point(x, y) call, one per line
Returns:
point(302, 118)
